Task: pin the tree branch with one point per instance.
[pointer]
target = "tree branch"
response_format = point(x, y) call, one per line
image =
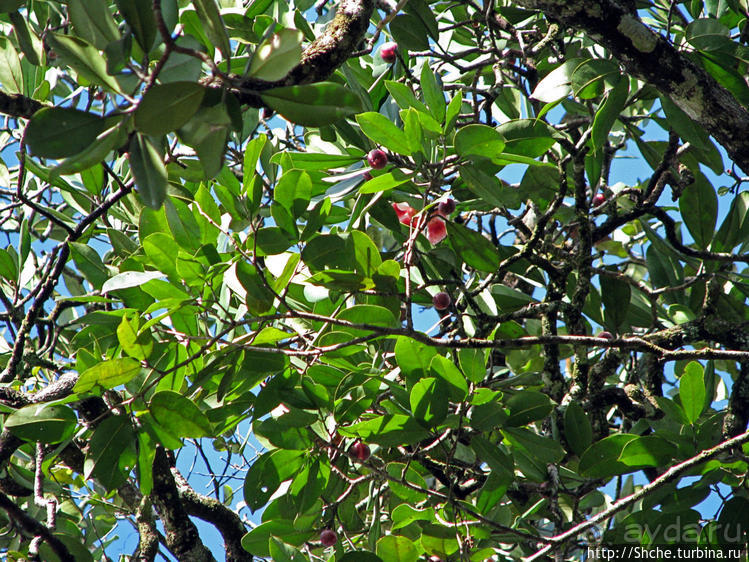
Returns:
point(671, 474)
point(651, 57)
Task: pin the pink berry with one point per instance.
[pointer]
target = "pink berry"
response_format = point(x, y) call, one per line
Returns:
point(436, 230)
point(328, 537)
point(405, 213)
point(446, 207)
point(360, 451)
point(441, 301)
point(388, 51)
point(606, 335)
point(599, 199)
point(377, 159)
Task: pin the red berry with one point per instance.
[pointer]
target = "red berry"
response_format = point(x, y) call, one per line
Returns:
point(328, 537)
point(360, 451)
point(441, 301)
point(446, 207)
point(377, 159)
point(599, 199)
point(366, 176)
point(405, 213)
point(606, 335)
point(436, 230)
point(388, 51)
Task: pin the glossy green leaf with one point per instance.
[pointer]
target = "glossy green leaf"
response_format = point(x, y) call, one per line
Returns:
point(699, 207)
point(388, 430)
point(409, 32)
point(475, 250)
point(277, 55)
point(138, 346)
point(110, 439)
point(93, 22)
point(107, 374)
point(614, 292)
point(428, 400)
point(735, 227)
point(42, 422)
point(479, 140)
point(313, 105)
point(601, 460)
point(456, 383)
point(577, 428)
point(397, 549)
point(11, 75)
point(179, 415)
point(692, 391)
point(473, 364)
point(213, 25)
point(557, 84)
point(139, 16)
point(167, 107)
point(382, 131)
point(148, 170)
point(385, 182)
point(102, 146)
point(57, 132)
point(543, 449)
point(528, 406)
point(433, 93)
point(84, 58)
point(608, 113)
point(650, 450)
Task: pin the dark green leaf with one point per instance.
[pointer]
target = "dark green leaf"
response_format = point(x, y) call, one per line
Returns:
point(148, 170)
point(57, 132)
point(382, 131)
point(166, 107)
point(213, 25)
point(107, 374)
point(139, 16)
point(429, 401)
point(692, 391)
point(179, 415)
point(84, 58)
point(42, 422)
point(475, 250)
point(313, 105)
point(528, 406)
point(409, 32)
point(606, 116)
point(699, 207)
point(577, 429)
point(389, 431)
point(601, 460)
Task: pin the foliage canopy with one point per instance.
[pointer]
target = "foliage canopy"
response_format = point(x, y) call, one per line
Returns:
point(197, 248)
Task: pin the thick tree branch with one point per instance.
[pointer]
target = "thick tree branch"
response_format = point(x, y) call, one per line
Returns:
point(651, 57)
point(324, 55)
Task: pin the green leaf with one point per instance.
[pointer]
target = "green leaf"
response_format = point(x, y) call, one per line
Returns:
point(473, 364)
point(179, 415)
point(42, 422)
point(167, 107)
point(404, 97)
point(557, 84)
point(385, 182)
point(527, 137)
point(10, 5)
point(475, 250)
point(57, 132)
point(615, 294)
point(601, 460)
point(735, 227)
point(446, 370)
point(488, 187)
point(84, 58)
point(128, 279)
point(107, 374)
point(433, 94)
point(111, 438)
point(313, 105)
point(93, 22)
point(139, 16)
point(396, 548)
point(428, 401)
point(409, 32)
point(650, 450)
point(500, 462)
point(111, 139)
point(137, 346)
point(382, 131)
point(148, 170)
point(162, 250)
point(11, 75)
point(608, 113)
point(692, 391)
point(708, 34)
point(413, 357)
point(543, 449)
point(279, 551)
point(699, 207)
point(267, 473)
point(389, 430)
point(528, 406)
point(479, 140)
point(577, 428)
point(277, 55)
point(213, 25)
point(258, 298)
